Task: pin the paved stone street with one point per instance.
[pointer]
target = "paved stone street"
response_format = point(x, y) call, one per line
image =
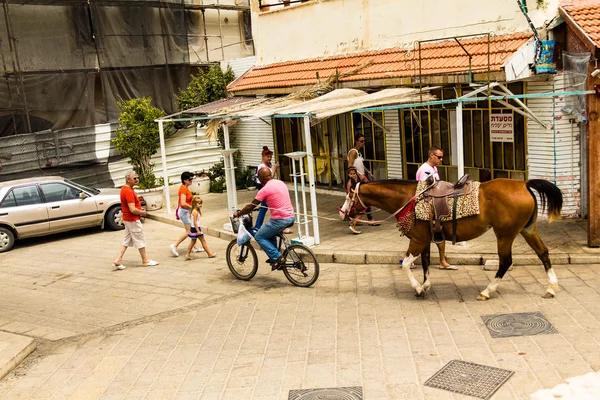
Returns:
point(189, 330)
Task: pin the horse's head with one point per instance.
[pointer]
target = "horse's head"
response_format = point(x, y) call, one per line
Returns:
point(352, 207)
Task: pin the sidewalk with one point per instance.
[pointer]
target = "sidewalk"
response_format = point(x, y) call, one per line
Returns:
point(566, 240)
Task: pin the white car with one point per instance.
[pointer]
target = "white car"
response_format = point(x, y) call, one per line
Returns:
point(42, 206)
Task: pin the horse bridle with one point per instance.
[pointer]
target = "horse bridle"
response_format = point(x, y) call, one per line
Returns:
point(353, 200)
point(356, 199)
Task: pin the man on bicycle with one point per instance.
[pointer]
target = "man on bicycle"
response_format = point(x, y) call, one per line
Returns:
point(275, 193)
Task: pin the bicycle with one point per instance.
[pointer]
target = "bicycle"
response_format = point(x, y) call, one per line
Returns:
point(301, 267)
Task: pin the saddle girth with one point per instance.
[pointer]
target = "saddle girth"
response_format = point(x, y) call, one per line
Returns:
point(437, 195)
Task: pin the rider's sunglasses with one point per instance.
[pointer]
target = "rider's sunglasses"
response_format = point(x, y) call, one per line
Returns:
point(439, 157)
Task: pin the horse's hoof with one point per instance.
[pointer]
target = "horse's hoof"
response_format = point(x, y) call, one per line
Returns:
point(420, 294)
point(426, 287)
point(548, 294)
point(482, 298)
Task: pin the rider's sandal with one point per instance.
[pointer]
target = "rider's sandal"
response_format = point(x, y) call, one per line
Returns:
point(278, 264)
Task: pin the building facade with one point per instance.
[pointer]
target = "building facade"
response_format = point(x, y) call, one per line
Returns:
point(453, 49)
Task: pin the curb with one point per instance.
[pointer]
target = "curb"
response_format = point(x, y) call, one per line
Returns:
point(391, 257)
point(13, 349)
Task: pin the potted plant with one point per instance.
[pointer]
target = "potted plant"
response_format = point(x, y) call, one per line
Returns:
point(216, 174)
point(137, 137)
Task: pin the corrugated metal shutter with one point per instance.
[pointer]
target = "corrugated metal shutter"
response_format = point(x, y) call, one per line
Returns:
point(185, 152)
point(554, 153)
point(241, 65)
point(393, 147)
point(250, 137)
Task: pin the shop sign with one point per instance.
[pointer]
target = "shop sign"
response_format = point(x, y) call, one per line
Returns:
point(502, 128)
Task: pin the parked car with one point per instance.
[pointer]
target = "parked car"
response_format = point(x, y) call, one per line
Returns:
point(42, 206)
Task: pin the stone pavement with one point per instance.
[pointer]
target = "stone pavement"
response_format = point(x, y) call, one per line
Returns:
point(190, 330)
point(566, 239)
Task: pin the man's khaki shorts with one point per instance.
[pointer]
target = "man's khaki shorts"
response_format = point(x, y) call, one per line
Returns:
point(134, 235)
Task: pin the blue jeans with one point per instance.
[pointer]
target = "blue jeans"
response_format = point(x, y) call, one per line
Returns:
point(260, 218)
point(266, 236)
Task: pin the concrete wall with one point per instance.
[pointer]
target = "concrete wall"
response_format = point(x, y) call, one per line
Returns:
point(319, 28)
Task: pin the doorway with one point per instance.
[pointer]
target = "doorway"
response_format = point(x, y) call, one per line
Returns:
point(331, 139)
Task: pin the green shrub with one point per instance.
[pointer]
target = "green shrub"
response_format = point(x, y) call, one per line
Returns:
point(137, 137)
point(244, 178)
point(205, 87)
point(216, 173)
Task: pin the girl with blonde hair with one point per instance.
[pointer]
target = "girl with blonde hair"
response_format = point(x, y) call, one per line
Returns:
point(195, 230)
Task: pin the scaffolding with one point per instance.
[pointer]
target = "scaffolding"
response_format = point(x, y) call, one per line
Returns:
point(66, 63)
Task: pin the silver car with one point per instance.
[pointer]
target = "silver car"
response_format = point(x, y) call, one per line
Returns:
point(46, 205)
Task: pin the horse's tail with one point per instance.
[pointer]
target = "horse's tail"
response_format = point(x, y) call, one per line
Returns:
point(550, 195)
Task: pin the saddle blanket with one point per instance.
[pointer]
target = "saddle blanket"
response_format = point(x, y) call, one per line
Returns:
point(466, 206)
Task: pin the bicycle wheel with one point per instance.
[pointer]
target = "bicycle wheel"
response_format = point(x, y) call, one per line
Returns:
point(301, 265)
point(242, 261)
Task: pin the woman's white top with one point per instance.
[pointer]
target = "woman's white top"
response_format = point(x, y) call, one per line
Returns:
point(261, 166)
point(358, 161)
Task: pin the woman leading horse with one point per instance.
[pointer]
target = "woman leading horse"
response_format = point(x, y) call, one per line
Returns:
point(507, 206)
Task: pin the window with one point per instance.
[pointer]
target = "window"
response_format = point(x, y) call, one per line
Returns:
point(59, 192)
point(9, 201)
point(27, 195)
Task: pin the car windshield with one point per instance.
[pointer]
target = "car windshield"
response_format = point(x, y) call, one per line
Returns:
point(85, 188)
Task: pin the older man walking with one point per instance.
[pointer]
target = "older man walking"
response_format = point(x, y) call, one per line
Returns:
point(134, 231)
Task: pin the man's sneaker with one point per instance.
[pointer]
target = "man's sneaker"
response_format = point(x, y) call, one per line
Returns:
point(120, 266)
point(174, 250)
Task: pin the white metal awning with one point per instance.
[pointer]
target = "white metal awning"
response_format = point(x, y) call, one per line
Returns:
point(504, 91)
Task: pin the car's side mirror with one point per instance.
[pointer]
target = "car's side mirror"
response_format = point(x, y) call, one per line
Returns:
point(83, 195)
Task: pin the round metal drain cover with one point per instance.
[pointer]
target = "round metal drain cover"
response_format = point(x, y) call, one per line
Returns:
point(343, 393)
point(518, 324)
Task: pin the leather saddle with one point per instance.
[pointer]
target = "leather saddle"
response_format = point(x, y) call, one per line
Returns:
point(437, 195)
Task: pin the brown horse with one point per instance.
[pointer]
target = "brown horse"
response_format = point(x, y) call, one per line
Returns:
point(507, 206)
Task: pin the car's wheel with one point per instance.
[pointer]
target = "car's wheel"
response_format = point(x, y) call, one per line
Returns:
point(7, 239)
point(113, 219)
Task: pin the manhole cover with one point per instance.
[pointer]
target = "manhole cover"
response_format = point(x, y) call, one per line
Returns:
point(518, 324)
point(342, 393)
point(470, 379)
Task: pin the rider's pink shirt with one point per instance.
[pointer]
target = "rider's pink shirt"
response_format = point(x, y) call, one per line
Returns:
point(277, 196)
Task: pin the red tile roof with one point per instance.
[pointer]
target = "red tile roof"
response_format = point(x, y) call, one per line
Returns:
point(438, 58)
point(587, 17)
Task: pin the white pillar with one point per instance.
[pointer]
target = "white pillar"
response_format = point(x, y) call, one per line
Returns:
point(295, 177)
point(163, 157)
point(460, 156)
point(229, 171)
point(304, 220)
point(311, 179)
